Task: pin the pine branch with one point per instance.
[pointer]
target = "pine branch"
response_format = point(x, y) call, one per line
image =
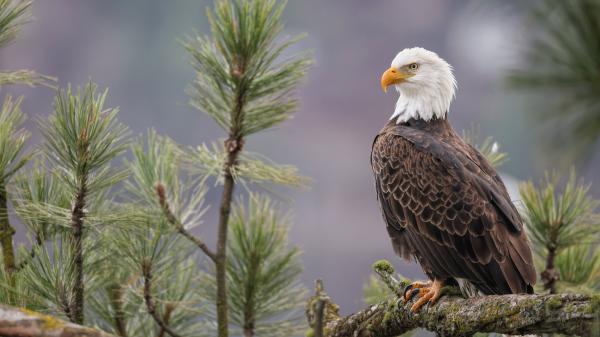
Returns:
point(116, 300)
point(558, 220)
point(77, 216)
point(15, 322)
point(569, 314)
point(26, 77)
point(13, 15)
point(243, 87)
point(265, 296)
point(81, 138)
point(172, 219)
point(12, 142)
point(488, 147)
point(149, 301)
point(6, 233)
point(233, 149)
point(562, 64)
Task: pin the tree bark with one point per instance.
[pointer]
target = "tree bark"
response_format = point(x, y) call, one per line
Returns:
point(550, 275)
point(233, 147)
point(568, 314)
point(77, 218)
point(15, 322)
point(6, 233)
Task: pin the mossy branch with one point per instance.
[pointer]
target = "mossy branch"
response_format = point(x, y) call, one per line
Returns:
point(16, 322)
point(570, 314)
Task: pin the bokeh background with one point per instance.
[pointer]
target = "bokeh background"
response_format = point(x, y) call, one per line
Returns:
point(132, 47)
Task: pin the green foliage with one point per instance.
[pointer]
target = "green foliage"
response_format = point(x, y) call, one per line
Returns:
point(375, 291)
point(160, 161)
point(488, 147)
point(13, 14)
point(12, 138)
point(82, 137)
point(579, 268)
point(264, 293)
point(39, 189)
point(50, 276)
point(563, 62)
point(175, 272)
point(241, 83)
point(252, 168)
point(557, 220)
point(129, 249)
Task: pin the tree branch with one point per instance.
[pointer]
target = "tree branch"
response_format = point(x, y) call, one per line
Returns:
point(116, 300)
point(15, 322)
point(150, 305)
point(6, 235)
point(570, 314)
point(172, 219)
point(77, 219)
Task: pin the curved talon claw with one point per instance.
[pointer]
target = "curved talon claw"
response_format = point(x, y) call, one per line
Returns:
point(408, 293)
point(426, 293)
point(413, 293)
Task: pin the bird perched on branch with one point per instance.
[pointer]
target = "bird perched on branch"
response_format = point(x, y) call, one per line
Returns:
point(443, 203)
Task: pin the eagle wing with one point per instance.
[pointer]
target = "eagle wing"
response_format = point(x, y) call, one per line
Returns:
point(447, 207)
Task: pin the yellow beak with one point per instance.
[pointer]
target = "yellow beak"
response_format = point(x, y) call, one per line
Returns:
point(393, 76)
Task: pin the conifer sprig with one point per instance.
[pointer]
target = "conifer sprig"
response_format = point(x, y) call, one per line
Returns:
point(558, 219)
point(12, 141)
point(240, 64)
point(243, 84)
point(489, 148)
point(81, 138)
point(13, 15)
point(262, 272)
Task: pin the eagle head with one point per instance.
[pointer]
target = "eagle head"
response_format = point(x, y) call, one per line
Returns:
point(425, 83)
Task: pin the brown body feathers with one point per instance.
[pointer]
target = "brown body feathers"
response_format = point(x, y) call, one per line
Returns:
point(445, 206)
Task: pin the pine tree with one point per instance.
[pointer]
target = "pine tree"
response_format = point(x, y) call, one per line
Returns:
point(113, 248)
point(245, 89)
point(13, 14)
point(562, 63)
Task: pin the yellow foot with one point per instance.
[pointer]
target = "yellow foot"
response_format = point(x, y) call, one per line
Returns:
point(411, 290)
point(425, 292)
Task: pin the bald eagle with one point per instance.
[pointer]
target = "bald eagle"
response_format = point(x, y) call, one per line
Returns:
point(443, 203)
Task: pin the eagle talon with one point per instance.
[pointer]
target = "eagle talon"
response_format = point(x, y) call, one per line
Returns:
point(426, 295)
point(412, 294)
point(409, 290)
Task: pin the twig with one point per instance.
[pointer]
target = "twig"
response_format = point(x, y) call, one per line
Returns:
point(319, 310)
point(150, 306)
point(233, 146)
point(172, 219)
point(386, 272)
point(77, 216)
point(169, 307)
point(116, 294)
point(569, 314)
point(6, 234)
point(32, 253)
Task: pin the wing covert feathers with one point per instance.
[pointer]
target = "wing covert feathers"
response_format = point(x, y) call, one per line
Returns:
point(446, 206)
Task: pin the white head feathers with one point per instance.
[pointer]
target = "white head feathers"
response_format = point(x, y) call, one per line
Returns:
point(428, 90)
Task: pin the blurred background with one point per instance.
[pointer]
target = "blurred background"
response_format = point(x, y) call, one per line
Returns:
point(132, 47)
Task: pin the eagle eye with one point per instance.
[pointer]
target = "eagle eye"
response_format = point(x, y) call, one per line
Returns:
point(413, 66)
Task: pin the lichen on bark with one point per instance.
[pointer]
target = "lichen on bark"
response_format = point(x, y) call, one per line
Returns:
point(516, 314)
